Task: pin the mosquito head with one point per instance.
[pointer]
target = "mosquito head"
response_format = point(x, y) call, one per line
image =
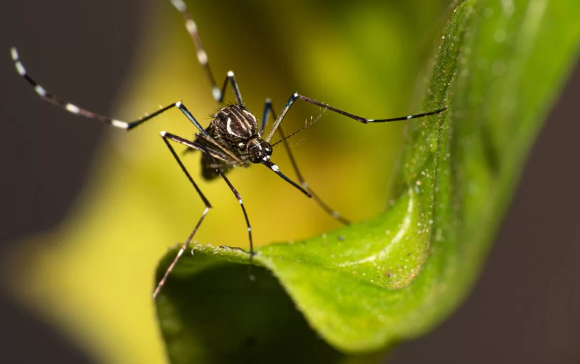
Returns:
point(258, 150)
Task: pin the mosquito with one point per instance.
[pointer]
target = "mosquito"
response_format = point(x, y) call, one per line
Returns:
point(234, 137)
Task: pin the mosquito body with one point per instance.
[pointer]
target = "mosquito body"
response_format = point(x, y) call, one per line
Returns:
point(233, 138)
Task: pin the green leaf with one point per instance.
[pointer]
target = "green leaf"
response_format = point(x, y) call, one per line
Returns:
point(395, 276)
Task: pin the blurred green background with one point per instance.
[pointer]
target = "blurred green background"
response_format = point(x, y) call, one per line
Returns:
point(92, 275)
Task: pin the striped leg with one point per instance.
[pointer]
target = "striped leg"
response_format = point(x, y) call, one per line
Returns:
point(43, 93)
point(185, 245)
point(297, 96)
point(203, 59)
point(171, 137)
point(269, 109)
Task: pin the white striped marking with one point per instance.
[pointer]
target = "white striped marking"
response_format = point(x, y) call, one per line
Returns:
point(217, 94)
point(178, 104)
point(275, 168)
point(409, 117)
point(14, 53)
point(119, 124)
point(202, 57)
point(20, 68)
point(230, 74)
point(191, 27)
point(229, 128)
point(72, 108)
point(40, 90)
point(250, 115)
point(240, 201)
point(179, 5)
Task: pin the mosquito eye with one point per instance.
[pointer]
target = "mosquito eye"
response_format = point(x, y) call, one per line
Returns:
point(255, 154)
point(266, 147)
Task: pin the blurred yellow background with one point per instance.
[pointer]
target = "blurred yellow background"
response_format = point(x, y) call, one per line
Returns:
point(93, 276)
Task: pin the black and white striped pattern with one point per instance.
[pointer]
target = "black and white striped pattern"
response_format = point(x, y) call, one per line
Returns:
point(269, 109)
point(232, 139)
point(236, 124)
point(201, 54)
point(202, 57)
point(170, 137)
point(360, 119)
point(41, 91)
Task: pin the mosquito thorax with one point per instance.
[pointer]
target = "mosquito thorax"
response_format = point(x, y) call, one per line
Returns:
point(258, 150)
point(236, 125)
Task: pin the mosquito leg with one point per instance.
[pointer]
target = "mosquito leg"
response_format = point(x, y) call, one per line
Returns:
point(269, 109)
point(185, 245)
point(179, 253)
point(218, 147)
point(43, 93)
point(167, 136)
point(202, 57)
point(297, 96)
point(230, 77)
point(239, 197)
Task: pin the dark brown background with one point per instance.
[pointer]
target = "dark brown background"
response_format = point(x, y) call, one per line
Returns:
point(524, 309)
